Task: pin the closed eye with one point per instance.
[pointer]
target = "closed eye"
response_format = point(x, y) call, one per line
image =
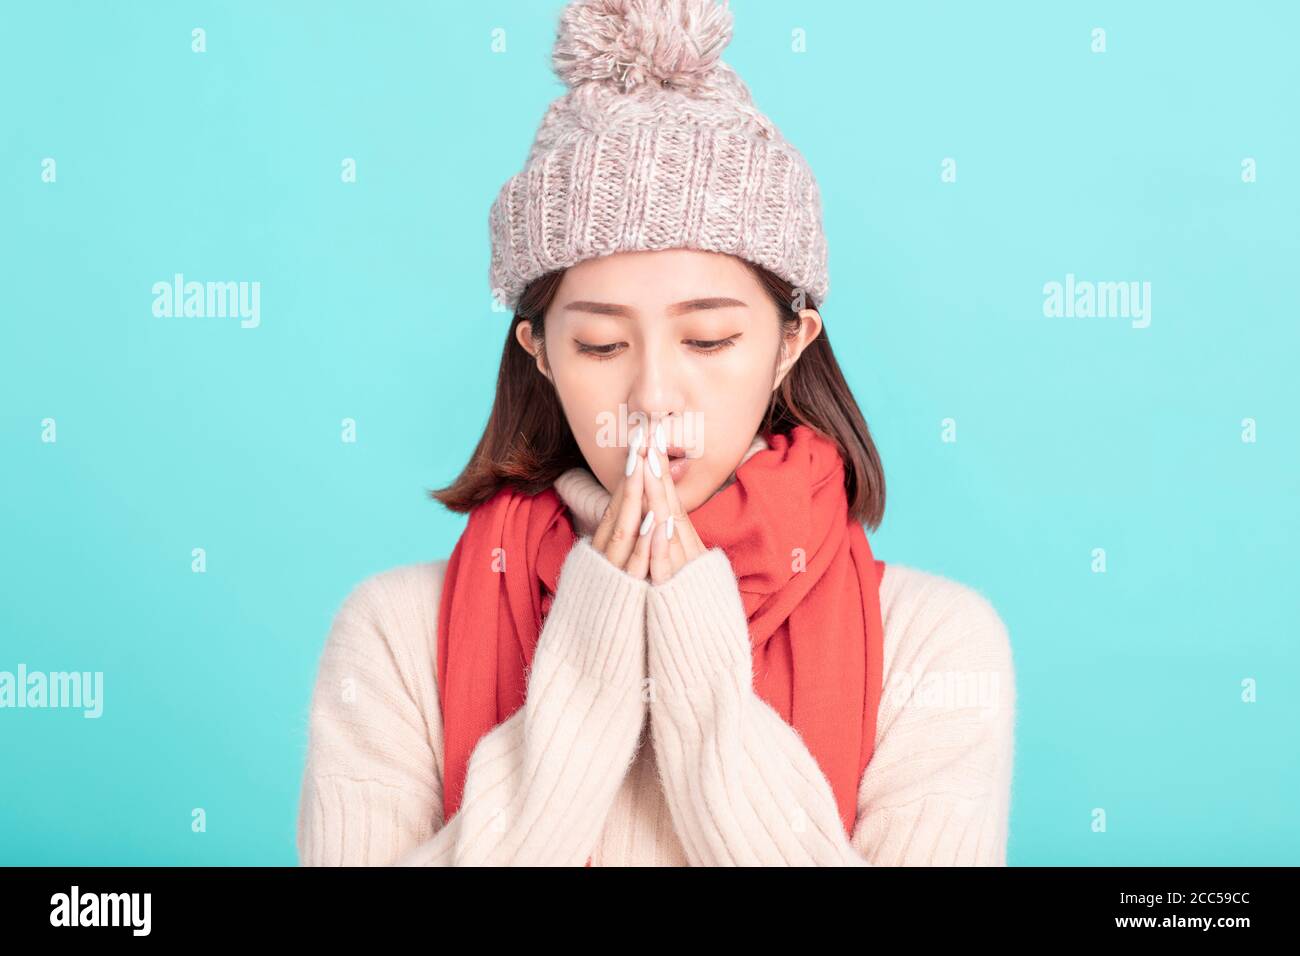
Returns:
point(713, 345)
point(702, 346)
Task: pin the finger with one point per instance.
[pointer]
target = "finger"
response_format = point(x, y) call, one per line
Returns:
point(673, 555)
point(657, 491)
point(677, 545)
point(609, 517)
point(684, 535)
point(676, 550)
point(656, 496)
point(623, 534)
point(639, 564)
point(661, 557)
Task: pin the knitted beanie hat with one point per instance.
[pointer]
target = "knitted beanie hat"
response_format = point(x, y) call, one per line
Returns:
point(656, 144)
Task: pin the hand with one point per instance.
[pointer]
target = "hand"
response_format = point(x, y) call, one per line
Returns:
point(633, 531)
point(618, 536)
point(667, 555)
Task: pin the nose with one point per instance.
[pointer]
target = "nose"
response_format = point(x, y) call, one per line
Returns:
point(657, 390)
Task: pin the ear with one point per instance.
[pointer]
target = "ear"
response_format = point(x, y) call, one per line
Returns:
point(524, 335)
point(810, 326)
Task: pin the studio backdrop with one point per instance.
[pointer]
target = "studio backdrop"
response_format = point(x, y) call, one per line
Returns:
point(1063, 244)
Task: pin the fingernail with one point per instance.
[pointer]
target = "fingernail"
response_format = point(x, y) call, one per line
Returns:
point(649, 520)
point(670, 527)
point(632, 447)
point(659, 438)
point(653, 460)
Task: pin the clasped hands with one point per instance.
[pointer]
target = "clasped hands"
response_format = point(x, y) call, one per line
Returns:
point(651, 542)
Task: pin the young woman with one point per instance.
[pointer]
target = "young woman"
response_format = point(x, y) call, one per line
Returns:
point(663, 638)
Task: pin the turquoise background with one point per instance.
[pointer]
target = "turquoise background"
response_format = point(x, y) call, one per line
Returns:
point(1072, 433)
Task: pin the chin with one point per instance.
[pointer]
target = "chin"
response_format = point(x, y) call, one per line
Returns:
point(689, 491)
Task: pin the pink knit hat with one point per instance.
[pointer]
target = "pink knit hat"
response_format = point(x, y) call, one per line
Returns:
point(656, 144)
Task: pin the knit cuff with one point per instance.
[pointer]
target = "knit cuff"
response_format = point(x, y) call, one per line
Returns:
point(597, 621)
point(696, 625)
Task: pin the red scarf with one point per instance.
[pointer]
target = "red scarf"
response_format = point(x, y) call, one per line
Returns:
point(807, 580)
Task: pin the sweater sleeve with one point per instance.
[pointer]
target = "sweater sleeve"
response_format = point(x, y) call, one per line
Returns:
point(742, 787)
point(538, 786)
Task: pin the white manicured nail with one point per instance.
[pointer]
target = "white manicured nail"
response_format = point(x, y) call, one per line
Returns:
point(632, 448)
point(670, 527)
point(653, 460)
point(649, 520)
point(659, 438)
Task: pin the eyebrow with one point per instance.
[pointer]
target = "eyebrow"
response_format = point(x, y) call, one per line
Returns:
point(678, 308)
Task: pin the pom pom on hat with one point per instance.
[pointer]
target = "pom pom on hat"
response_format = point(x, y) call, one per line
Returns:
point(629, 43)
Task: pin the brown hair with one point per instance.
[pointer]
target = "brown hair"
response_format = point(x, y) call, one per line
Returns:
point(527, 443)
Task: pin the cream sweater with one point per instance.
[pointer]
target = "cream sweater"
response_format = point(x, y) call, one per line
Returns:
point(641, 740)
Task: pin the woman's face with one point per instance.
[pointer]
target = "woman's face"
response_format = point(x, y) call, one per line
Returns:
point(679, 336)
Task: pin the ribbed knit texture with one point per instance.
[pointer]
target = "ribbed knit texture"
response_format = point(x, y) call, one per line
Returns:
point(743, 788)
point(689, 767)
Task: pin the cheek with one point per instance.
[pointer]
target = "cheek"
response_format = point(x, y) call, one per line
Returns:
point(585, 383)
point(738, 373)
point(581, 397)
point(734, 399)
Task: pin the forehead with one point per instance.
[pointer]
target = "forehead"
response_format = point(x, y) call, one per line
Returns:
point(654, 280)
